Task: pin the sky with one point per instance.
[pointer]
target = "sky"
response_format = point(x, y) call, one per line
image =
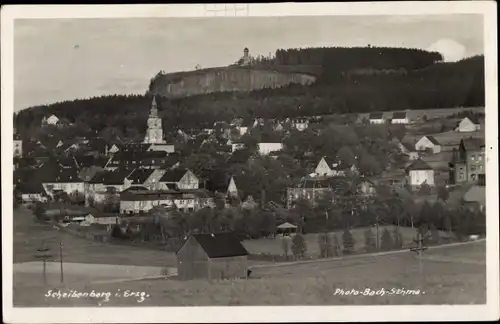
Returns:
point(65, 59)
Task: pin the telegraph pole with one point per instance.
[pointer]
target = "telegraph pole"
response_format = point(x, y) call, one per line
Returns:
point(43, 254)
point(61, 260)
point(419, 249)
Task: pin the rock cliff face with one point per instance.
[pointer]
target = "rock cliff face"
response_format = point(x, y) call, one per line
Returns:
point(183, 84)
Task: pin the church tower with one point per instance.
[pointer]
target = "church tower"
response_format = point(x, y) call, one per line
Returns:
point(154, 133)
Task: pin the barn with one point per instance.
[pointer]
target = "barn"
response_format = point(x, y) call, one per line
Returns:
point(212, 256)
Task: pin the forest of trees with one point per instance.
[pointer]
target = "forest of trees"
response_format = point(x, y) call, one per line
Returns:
point(424, 85)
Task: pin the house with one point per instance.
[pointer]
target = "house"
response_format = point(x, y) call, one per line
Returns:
point(18, 147)
point(32, 192)
point(408, 150)
point(65, 180)
point(212, 256)
point(475, 197)
point(137, 200)
point(169, 148)
point(468, 162)
point(300, 124)
point(310, 189)
point(180, 179)
point(376, 118)
point(107, 183)
point(102, 218)
point(243, 127)
point(428, 142)
point(52, 120)
point(137, 159)
point(266, 148)
point(400, 117)
point(468, 124)
point(419, 173)
point(96, 146)
point(327, 168)
point(237, 146)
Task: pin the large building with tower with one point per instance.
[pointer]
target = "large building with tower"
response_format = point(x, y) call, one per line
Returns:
point(154, 133)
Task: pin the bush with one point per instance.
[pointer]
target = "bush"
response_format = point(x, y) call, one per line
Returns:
point(397, 238)
point(325, 245)
point(370, 245)
point(39, 211)
point(386, 243)
point(299, 247)
point(348, 241)
point(434, 238)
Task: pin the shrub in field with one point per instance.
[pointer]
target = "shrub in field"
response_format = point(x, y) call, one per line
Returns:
point(325, 245)
point(397, 238)
point(443, 193)
point(434, 234)
point(447, 224)
point(336, 248)
point(299, 246)
point(370, 245)
point(386, 240)
point(348, 241)
point(39, 211)
point(424, 190)
point(285, 245)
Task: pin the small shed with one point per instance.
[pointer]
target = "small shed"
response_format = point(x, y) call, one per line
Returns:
point(286, 229)
point(212, 256)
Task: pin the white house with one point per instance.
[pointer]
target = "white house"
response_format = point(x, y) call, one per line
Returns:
point(52, 120)
point(266, 148)
point(237, 146)
point(169, 148)
point(468, 125)
point(428, 142)
point(377, 118)
point(419, 173)
point(301, 124)
point(179, 179)
point(400, 117)
point(66, 180)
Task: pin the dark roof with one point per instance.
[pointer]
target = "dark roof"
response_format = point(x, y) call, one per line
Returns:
point(432, 139)
point(419, 165)
point(399, 115)
point(115, 177)
point(139, 176)
point(376, 115)
point(315, 183)
point(65, 175)
point(473, 144)
point(173, 175)
point(220, 245)
point(171, 160)
point(30, 187)
point(97, 143)
point(133, 147)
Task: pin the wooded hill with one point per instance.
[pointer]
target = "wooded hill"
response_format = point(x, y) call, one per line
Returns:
point(352, 81)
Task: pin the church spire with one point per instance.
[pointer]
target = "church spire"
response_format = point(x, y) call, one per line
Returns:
point(154, 108)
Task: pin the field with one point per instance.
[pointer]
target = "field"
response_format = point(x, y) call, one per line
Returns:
point(451, 275)
point(273, 246)
point(29, 235)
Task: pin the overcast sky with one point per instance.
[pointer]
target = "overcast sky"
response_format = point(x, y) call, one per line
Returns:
point(119, 56)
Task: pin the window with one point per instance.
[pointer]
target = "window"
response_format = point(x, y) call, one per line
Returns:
point(472, 157)
point(479, 158)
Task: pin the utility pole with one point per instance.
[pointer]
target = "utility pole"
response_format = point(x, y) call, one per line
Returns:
point(61, 260)
point(419, 249)
point(43, 254)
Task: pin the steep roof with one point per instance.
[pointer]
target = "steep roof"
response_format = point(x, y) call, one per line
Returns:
point(399, 115)
point(376, 115)
point(30, 187)
point(116, 177)
point(173, 175)
point(64, 175)
point(221, 245)
point(139, 176)
point(432, 139)
point(476, 194)
point(419, 165)
point(473, 144)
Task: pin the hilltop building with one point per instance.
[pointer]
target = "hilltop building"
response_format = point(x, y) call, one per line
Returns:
point(154, 133)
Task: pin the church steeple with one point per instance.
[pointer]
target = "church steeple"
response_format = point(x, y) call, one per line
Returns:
point(154, 109)
point(154, 133)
